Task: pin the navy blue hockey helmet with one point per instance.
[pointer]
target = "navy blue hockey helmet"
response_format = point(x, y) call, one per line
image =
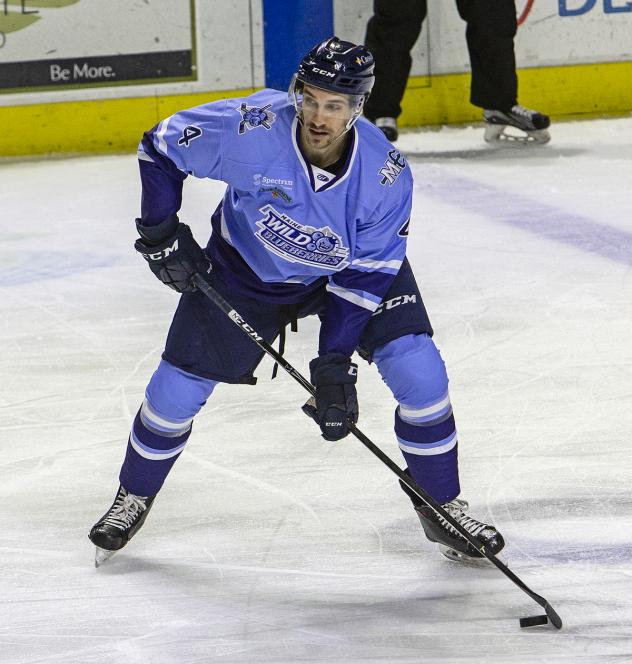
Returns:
point(336, 66)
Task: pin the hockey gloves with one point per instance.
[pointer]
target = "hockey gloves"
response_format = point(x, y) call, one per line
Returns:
point(334, 375)
point(172, 253)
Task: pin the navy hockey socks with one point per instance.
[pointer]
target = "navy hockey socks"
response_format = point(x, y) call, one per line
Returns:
point(428, 440)
point(153, 446)
point(162, 427)
point(424, 425)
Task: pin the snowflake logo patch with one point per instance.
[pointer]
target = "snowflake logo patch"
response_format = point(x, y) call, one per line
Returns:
point(255, 116)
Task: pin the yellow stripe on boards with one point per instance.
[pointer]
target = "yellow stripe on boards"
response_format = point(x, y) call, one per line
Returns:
point(575, 90)
point(104, 125)
point(116, 125)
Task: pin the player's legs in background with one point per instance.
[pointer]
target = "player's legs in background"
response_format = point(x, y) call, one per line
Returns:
point(491, 28)
point(390, 35)
point(490, 32)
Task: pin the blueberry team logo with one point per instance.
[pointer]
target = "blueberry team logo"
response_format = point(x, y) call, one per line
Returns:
point(255, 116)
point(296, 243)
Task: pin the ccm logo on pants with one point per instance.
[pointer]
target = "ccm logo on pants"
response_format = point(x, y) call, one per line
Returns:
point(395, 302)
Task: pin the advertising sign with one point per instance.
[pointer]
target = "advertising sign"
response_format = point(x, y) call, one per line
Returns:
point(50, 44)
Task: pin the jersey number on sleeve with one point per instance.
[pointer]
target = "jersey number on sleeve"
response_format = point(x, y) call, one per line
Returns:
point(190, 133)
point(403, 231)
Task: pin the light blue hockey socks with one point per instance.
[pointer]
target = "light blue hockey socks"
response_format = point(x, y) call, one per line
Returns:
point(162, 427)
point(412, 368)
point(428, 440)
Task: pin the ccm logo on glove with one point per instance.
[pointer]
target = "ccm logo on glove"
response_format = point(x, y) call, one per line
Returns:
point(334, 376)
point(172, 253)
point(159, 255)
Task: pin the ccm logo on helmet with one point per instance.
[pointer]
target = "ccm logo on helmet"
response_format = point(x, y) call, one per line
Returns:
point(324, 72)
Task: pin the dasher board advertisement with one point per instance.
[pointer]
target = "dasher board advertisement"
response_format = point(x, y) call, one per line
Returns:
point(49, 44)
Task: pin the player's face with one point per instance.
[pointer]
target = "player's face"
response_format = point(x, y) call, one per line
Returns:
point(325, 116)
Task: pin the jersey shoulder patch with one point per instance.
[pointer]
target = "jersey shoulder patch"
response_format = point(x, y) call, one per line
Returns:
point(253, 117)
point(393, 166)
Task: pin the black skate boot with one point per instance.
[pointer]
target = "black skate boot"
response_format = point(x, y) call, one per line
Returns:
point(119, 524)
point(452, 544)
point(388, 126)
point(532, 124)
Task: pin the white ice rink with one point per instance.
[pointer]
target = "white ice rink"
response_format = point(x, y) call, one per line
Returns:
point(268, 544)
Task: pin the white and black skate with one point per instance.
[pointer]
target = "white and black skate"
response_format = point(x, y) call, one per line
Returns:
point(388, 127)
point(119, 524)
point(452, 544)
point(531, 126)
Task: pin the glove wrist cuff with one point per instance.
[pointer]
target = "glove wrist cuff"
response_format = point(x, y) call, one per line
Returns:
point(157, 233)
point(333, 369)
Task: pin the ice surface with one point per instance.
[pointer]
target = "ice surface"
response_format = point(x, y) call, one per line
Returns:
point(268, 544)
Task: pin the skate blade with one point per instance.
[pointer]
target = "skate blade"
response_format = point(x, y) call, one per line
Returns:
point(462, 558)
point(498, 135)
point(101, 555)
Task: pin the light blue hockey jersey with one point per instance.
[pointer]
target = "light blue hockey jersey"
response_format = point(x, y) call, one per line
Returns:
point(285, 227)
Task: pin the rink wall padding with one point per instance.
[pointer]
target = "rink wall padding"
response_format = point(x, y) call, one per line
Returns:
point(116, 125)
point(588, 90)
point(98, 126)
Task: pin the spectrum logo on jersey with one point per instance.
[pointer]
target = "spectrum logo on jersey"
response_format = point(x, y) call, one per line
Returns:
point(264, 181)
point(317, 247)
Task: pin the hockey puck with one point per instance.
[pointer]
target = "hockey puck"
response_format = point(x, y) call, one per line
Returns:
point(532, 621)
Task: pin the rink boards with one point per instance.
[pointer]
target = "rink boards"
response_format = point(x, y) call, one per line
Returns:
point(126, 65)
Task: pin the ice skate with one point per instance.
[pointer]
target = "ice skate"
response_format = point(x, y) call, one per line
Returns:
point(525, 126)
point(388, 126)
point(119, 524)
point(452, 544)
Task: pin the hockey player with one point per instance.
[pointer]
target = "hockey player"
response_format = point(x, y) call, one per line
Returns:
point(314, 220)
point(491, 27)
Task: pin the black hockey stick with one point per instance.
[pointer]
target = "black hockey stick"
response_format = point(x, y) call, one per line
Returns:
point(217, 299)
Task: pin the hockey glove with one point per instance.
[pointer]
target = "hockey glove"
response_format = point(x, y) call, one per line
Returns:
point(334, 375)
point(172, 253)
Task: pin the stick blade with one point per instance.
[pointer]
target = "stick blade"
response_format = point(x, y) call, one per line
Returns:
point(552, 615)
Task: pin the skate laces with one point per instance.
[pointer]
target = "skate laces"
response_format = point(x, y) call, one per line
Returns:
point(522, 111)
point(456, 509)
point(126, 508)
